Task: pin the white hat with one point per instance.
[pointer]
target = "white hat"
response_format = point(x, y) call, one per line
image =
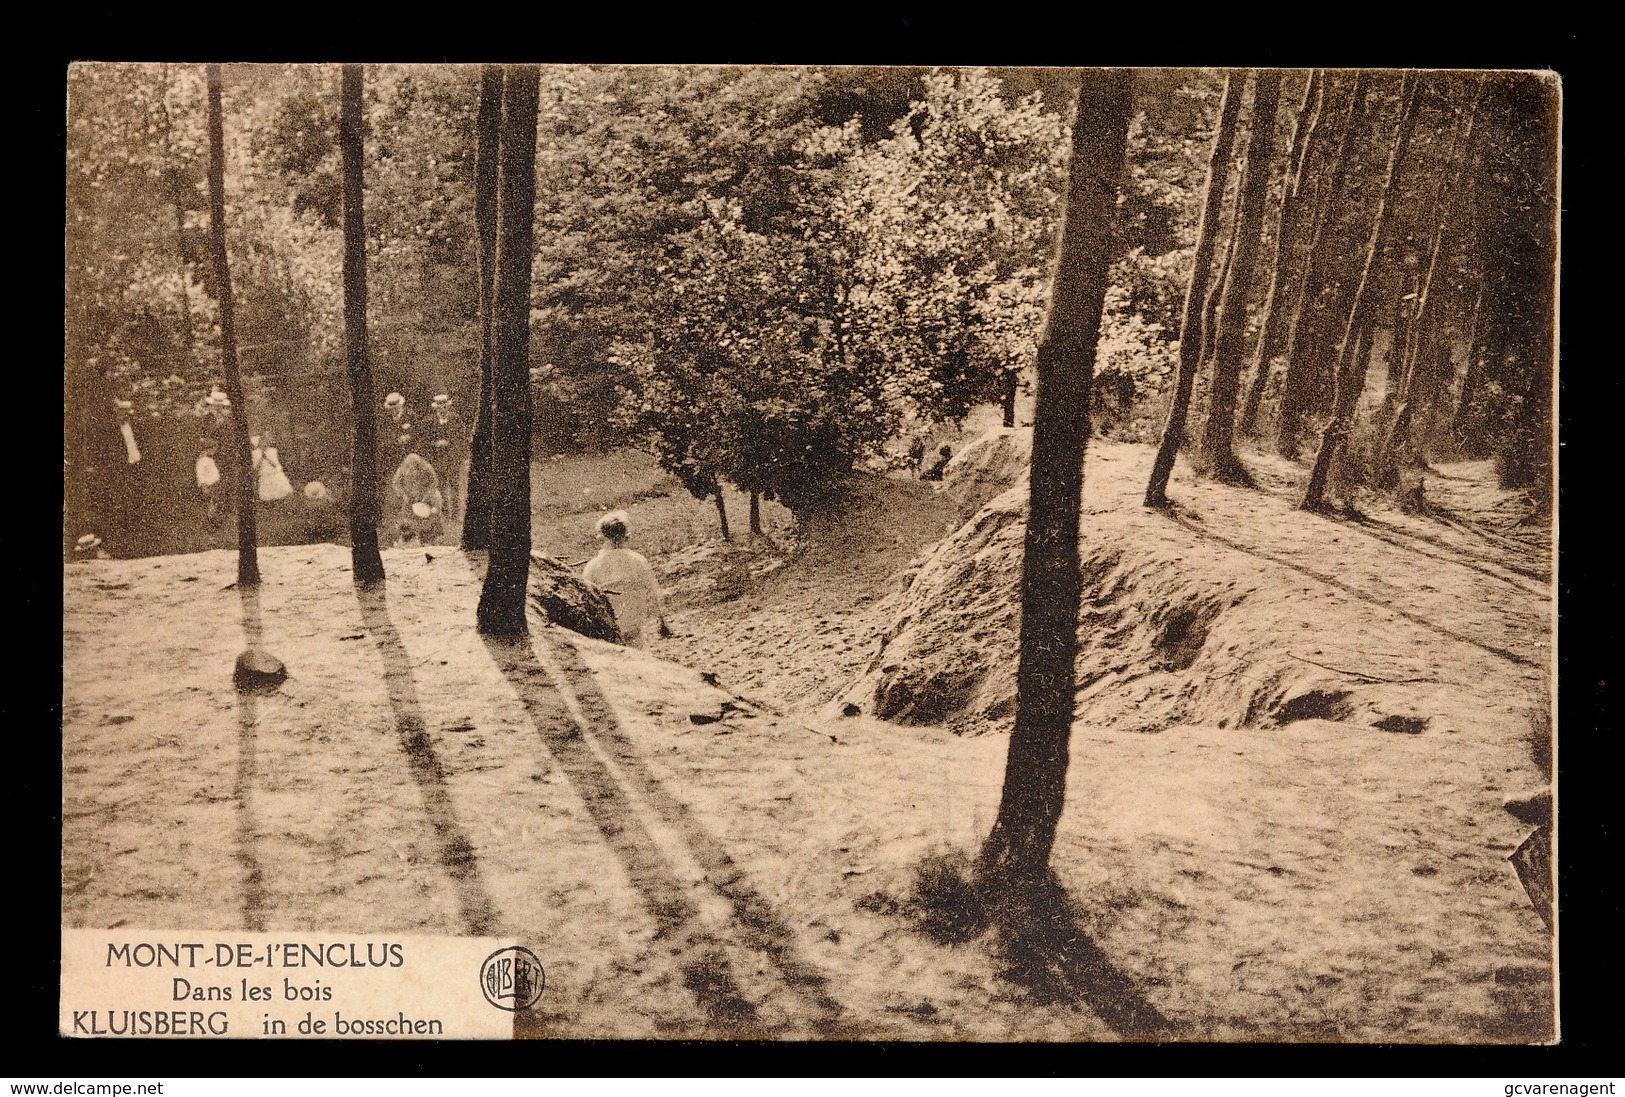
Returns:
point(316, 491)
point(87, 542)
point(422, 510)
point(394, 400)
point(442, 399)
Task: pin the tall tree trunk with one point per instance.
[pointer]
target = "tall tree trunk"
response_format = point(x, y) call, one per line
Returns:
point(487, 130)
point(1300, 361)
point(1218, 457)
point(1349, 377)
point(1216, 287)
point(365, 560)
point(1400, 443)
point(1012, 384)
point(722, 513)
point(1190, 326)
point(1016, 853)
point(172, 174)
point(1283, 263)
point(502, 600)
point(248, 564)
point(1471, 371)
point(756, 513)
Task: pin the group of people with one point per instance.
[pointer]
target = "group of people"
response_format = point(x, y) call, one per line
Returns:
point(271, 483)
point(429, 454)
point(428, 457)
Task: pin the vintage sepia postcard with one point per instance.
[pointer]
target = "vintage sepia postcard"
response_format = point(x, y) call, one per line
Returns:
point(809, 553)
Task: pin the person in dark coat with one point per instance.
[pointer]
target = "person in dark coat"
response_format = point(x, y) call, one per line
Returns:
point(445, 437)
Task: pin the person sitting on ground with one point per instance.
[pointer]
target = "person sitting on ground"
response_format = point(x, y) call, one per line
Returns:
point(627, 579)
point(418, 489)
point(944, 455)
point(274, 485)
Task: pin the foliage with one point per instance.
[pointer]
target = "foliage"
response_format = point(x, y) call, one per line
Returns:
point(948, 227)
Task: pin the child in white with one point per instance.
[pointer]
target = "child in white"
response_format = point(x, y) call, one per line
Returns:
point(626, 577)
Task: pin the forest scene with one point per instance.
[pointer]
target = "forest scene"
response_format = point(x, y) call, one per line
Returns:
point(828, 553)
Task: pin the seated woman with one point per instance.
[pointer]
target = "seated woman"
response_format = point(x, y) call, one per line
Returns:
point(628, 580)
point(417, 486)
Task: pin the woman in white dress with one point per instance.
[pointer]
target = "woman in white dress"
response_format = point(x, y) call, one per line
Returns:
point(627, 579)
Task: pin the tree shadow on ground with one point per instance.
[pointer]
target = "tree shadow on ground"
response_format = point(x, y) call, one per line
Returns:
point(476, 911)
point(248, 718)
point(704, 968)
point(561, 695)
point(1038, 940)
point(754, 920)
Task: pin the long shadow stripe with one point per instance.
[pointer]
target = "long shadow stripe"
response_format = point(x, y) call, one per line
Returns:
point(248, 718)
point(1333, 581)
point(761, 927)
point(456, 852)
point(706, 972)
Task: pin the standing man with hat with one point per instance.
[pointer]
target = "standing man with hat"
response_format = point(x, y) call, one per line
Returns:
point(397, 429)
point(446, 438)
point(397, 438)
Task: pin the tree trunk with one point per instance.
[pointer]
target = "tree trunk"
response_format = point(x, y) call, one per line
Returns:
point(487, 126)
point(1218, 457)
point(756, 513)
point(1350, 372)
point(1400, 443)
point(167, 152)
point(365, 560)
point(502, 600)
point(1216, 287)
point(1471, 371)
point(1190, 333)
point(1012, 384)
point(1016, 853)
point(1284, 263)
point(248, 564)
point(722, 513)
point(1299, 380)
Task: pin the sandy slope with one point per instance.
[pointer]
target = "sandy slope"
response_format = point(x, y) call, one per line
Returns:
point(1311, 879)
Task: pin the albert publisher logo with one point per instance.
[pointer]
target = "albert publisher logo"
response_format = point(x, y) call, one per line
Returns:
point(512, 978)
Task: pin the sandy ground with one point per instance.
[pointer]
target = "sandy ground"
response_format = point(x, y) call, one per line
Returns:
point(1306, 880)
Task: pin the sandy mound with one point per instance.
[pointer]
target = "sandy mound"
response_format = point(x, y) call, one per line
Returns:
point(1244, 614)
point(986, 469)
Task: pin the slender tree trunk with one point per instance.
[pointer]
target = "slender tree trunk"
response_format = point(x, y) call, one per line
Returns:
point(487, 127)
point(756, 513)
point(722, 513)
point(1218, 457)
point(1349, 376)
point(1217, 286)
point(1012, 383)
point(1295, 389)
point(167, 152)
point(1016, 853)
point(1283, 263)
point(1190, 333)
point(1400, 443)
point(365, 560)
point(502, 600)
point(1470, 372)
point(248, 564)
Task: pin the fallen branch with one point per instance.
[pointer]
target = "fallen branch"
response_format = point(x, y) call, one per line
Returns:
point(710, 678)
